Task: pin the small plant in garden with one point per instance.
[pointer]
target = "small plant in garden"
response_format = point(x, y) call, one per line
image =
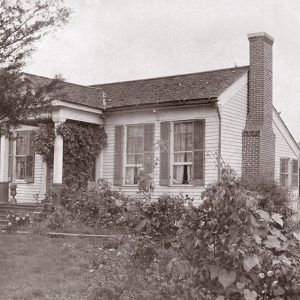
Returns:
point(15, 221)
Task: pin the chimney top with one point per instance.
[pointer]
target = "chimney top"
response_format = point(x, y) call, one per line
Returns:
point(260, 34)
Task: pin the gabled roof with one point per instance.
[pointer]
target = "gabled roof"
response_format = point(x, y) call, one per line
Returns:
point(196, 86)
point(71, 92)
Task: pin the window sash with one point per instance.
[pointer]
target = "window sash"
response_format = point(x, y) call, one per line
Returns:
point(184, 141)
point(24, 156)
point(139, 151)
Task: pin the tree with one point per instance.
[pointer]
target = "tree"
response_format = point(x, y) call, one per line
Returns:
point(22, 23)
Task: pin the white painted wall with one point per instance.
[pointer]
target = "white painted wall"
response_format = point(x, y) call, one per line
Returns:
point(233, 108)
point(233, 120)
point(25, 191)
point(156, 116)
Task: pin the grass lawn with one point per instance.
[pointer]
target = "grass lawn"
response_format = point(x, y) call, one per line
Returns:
point(40, 267)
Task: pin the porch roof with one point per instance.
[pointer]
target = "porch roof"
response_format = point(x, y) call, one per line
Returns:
point(72, 92)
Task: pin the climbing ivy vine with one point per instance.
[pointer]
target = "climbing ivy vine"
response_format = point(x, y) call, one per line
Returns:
point(82, 143)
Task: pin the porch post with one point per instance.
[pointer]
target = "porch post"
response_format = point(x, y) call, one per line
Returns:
point(99, 166)
point(4, 144)
point(58, 163)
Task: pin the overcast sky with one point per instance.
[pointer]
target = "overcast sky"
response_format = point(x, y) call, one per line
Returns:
point(118, 40)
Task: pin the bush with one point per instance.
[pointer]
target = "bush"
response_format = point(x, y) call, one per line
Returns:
point(232, 248)
point(273, 197)
point(97, 205)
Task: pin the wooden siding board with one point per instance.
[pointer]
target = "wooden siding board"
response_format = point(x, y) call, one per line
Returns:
point(233, 120)
point(25, 191)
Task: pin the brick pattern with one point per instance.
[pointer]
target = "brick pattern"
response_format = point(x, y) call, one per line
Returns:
point(258, 136)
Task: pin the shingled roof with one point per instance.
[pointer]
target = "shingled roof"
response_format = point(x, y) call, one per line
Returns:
point(71, 92)
point(199, 87)
point(196, 86)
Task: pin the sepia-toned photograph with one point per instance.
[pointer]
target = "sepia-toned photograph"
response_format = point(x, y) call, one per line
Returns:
point(149, 150)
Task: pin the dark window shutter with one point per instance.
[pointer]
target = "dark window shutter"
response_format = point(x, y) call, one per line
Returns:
point(118, 155)
point(164, 153)
point(295, 173)
point(148, 148)
point(198, 158)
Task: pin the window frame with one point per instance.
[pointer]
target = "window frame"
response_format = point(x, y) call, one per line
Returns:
point(289, 173)
point(125, 147)
point(172, 152)
point(126, 165)
point(13, 163)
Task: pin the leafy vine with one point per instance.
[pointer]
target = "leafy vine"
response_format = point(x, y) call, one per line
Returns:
point(82, 143)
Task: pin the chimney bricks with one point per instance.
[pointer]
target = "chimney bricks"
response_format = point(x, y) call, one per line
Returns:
point(258, 136)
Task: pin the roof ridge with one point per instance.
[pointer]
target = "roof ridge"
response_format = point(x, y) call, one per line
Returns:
point(85, 86)
point(165, 77)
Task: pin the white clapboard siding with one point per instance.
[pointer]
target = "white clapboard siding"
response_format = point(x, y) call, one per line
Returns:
point(233, 120)
point(156, 116)
point(286, 147)
point(25, 191)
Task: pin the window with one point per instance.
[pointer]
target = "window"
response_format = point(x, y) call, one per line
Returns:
point(289, 173)
point(182, 156)
point(24, 156)
point(188, 152)
point(284, 172)
point(183, 153)
point(133, 151)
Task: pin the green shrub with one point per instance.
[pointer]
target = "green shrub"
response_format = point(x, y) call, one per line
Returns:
point(233, 249)
point(273, 197)
point(97, 205)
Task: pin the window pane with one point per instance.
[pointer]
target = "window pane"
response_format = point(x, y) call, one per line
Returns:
point(182, 174)
point(21, 143)
point(29, 167)
point(183, 136)
point(183, 157)
point(148, 162)
point(131, 176)
point(20, 168)
point(135, 139)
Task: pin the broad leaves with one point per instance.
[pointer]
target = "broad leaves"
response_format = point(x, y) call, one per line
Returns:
point(250, 295)
point(278, 219)
point(226, 278)
point(250, 262)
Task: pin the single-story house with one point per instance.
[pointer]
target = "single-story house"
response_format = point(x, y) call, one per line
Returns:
point(179, 129)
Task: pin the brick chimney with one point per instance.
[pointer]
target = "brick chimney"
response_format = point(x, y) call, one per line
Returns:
point(258, 135)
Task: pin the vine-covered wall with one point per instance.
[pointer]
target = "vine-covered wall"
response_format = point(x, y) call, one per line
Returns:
point(82, 144)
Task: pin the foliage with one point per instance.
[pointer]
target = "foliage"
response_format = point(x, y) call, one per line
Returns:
point(234, 249)
point(22, 24)
point(97, 205)
point(59, 219)
point(82, 143)
point(16, 220)
point(43, 142)
point(100, 206)
point(272, 197)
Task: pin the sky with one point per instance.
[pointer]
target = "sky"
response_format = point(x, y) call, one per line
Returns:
point(121, 40)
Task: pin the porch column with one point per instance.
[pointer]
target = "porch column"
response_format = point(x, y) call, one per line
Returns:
point(58, 163)
point(4, 144)
point(99, 166)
